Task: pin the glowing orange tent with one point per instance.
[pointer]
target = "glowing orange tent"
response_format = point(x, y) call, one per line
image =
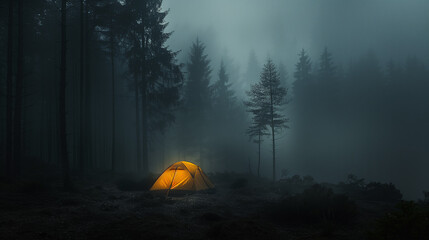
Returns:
point(182, 177)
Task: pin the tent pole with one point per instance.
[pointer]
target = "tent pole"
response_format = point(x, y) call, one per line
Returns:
point(175, 170)
point(202, 176)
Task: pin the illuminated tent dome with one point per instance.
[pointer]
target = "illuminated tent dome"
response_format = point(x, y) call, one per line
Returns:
point(182, 177)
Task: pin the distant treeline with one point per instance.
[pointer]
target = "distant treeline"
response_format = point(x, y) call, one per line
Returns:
point(368, 112)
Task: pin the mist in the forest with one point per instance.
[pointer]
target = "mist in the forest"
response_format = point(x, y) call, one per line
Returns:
point(351, 76)
point(392, 31)
point(214, 119)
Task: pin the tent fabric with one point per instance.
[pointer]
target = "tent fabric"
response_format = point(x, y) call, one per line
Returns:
point(184, 176)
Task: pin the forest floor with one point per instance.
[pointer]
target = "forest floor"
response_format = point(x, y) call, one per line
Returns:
point(101, 210)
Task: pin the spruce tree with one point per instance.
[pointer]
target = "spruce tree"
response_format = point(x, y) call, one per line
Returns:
point(223, 96)
point(197, 99)
point(284, 75)
point(224, 117)
point(258, 129)
point(302, 75)
point(326, 93)
point(155, 64)
point(267, 98)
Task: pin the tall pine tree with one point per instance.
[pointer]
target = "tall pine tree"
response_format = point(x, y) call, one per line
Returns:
point(197, 99)
point(160, 75)
point(266, 101)
point(258, 129)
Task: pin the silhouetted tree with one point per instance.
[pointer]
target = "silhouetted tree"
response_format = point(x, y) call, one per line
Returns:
point(283, 75)
point(108, 22)
point(197, 98)
point(160, 75)
point(326, 68)
point(18, 93)
point(62, 98)
point(303, 95)
point(257, 131)
point(266, 99)
point(88, 83)
point(81, 86)
point(224, 116)
point(223, 96)
point(302, 75)
point(326, 93)
point(9, 89)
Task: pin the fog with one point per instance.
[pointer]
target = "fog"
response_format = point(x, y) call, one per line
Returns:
point(392, 30)
point(86, 89)
point(214, 119)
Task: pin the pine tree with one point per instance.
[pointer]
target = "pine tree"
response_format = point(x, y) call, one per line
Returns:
point(107, 20)
point(9, 90)
point(224, 117)
point(327, 84)
point(258, 129)
point(18, 93)
point(62, 98)
point(197, 99)
point(160, 75)
point(284, 75)
point(81, 84)
point(302, 74)
point(326, 68)
point(223, 96)
point(266, 99)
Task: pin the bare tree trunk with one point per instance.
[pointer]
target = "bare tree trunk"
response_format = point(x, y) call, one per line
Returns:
point(274, 153)
point(9, 103)
point(62, 98)
point(145, 150)
point(138, 149)
point(88, 118)
point(81, 129)
point(112, 59)
point(18, 94)
point(272, 132)
point(145, 126)
point(259, 153)
point(163, 151)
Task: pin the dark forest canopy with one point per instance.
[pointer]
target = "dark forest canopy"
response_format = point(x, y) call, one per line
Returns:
point(133, 86)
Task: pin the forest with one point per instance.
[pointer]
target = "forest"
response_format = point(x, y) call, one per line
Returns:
point(308, 121)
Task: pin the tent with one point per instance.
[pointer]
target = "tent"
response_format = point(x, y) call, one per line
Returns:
point(182, 177)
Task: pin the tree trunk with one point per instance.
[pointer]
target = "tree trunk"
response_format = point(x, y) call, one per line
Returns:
point(272, 131)
point(81, 128)
point(274, 153)
point(138, 149)
point(259, 153)
point(88, 114)
point(9, 104)
point(112, 58)
point(62, 98)
point(145, 126)
point(18, 94)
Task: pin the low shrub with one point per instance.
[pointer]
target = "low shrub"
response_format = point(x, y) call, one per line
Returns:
point(409, 221)
point(294, 184)
point(375, 191)
point(315, 205)
point(357, 188)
